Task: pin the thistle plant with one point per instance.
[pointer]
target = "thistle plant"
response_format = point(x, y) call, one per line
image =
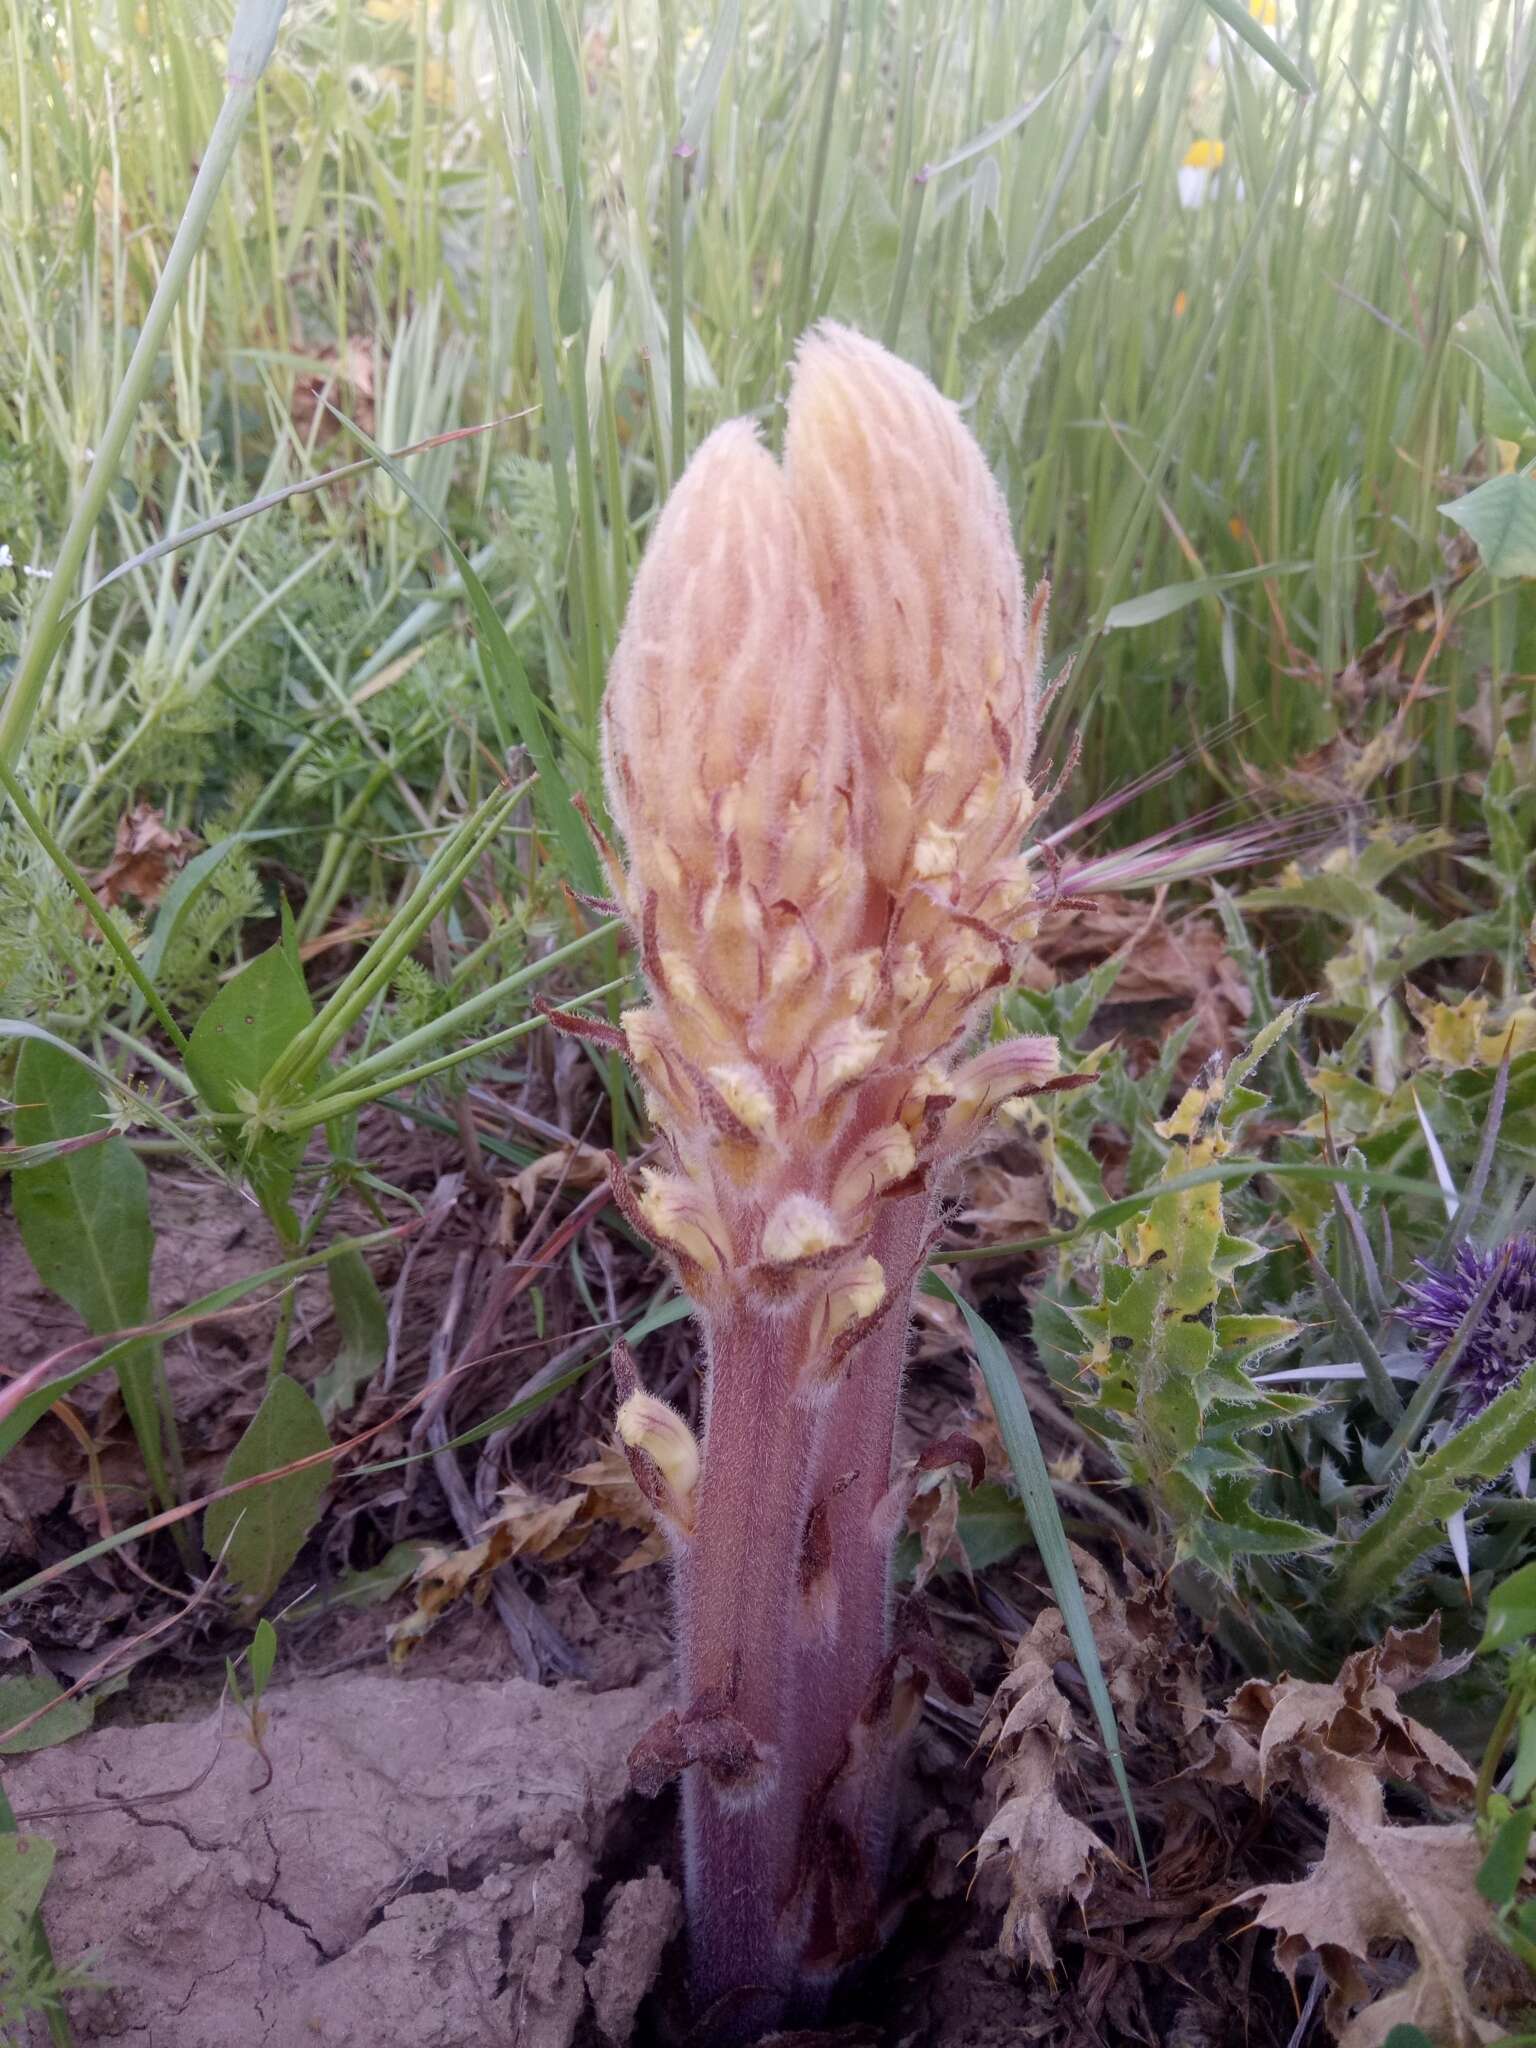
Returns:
point(1481, 1305)
point(818, 726)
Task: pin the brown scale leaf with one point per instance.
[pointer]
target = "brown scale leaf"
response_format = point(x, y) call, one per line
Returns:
point(933, 1514)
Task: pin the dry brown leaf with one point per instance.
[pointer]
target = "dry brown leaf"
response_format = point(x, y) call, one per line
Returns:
point(1155, 1680)
point(933, 1515)
point(148, 852)
point(572, 1166)
point(1003, 1204)
point(348, 380)
point(1173, 968)
point(612, 1496)
point(527, 1525)
point(1377, 1882)
point(1047, 1853)
point(980, 1424)
point(355, 931)
point(1335, 1743)
point(938, 1328)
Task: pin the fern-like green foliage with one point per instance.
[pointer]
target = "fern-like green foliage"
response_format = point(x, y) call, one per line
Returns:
point(32, 1983)
point(53, 966)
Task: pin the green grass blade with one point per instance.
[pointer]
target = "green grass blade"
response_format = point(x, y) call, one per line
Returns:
point(552, 794)
point(1234, 14)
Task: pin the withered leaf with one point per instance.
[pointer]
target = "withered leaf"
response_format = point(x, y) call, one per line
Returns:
point(1379, 1882)
point(1337, 1745)
point(1047, 1854)
point(147, 853)
point(527, 1525)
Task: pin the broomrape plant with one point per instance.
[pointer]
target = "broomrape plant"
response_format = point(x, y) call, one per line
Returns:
point(819, 726)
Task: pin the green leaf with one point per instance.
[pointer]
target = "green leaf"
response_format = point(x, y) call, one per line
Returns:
point(34, 1405)
point(1010, 323)
point(1511, 1611)
point(707, 90)
point(1509, 403)
point(26, 1864)
point(261, 1656)
point(1504, 1866)
point(178, 900)
point(84, 1219)
point(1218, 1544)
point(572, 306)
point(862, 291)
point(265, 1526)
point(1524, 1775)
point(989, 137)
point(1500, 515)
point(1405, 2036)
point(22, 1696)
point(238, 1039)
point(1034, 1481)
point(1169, 598)
point(1235, 15)
point(505, 671)
point(367, 1587)
point(363, 1323)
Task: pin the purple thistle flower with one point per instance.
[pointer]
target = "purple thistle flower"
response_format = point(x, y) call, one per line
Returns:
point(1503, 1339)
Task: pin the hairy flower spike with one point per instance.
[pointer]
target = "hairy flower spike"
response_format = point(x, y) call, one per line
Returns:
point(818, 733)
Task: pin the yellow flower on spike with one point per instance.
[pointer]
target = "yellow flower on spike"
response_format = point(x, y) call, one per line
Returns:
point(1208, 154)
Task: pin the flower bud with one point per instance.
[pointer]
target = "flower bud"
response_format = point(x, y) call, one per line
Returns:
point(647, 1424)
point(1018, 1066)
point(727, 754)
point(800, 1228)
point(885, 1156)
point(908, 539)
point(679, 1214)
point(856, 1292)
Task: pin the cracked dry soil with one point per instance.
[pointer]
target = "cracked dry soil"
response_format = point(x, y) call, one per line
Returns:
point(425, 1867)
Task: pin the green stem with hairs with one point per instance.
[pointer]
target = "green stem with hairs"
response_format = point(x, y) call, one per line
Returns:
point(1414, 1519)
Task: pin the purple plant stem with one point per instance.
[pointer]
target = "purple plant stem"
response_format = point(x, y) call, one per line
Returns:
point(743, 1633)
point(737, 1630)
point(859, 1438)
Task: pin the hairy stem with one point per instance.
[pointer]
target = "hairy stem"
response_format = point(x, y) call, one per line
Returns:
point(784, 1631)
point(855, 1476)
point(736, 1585)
